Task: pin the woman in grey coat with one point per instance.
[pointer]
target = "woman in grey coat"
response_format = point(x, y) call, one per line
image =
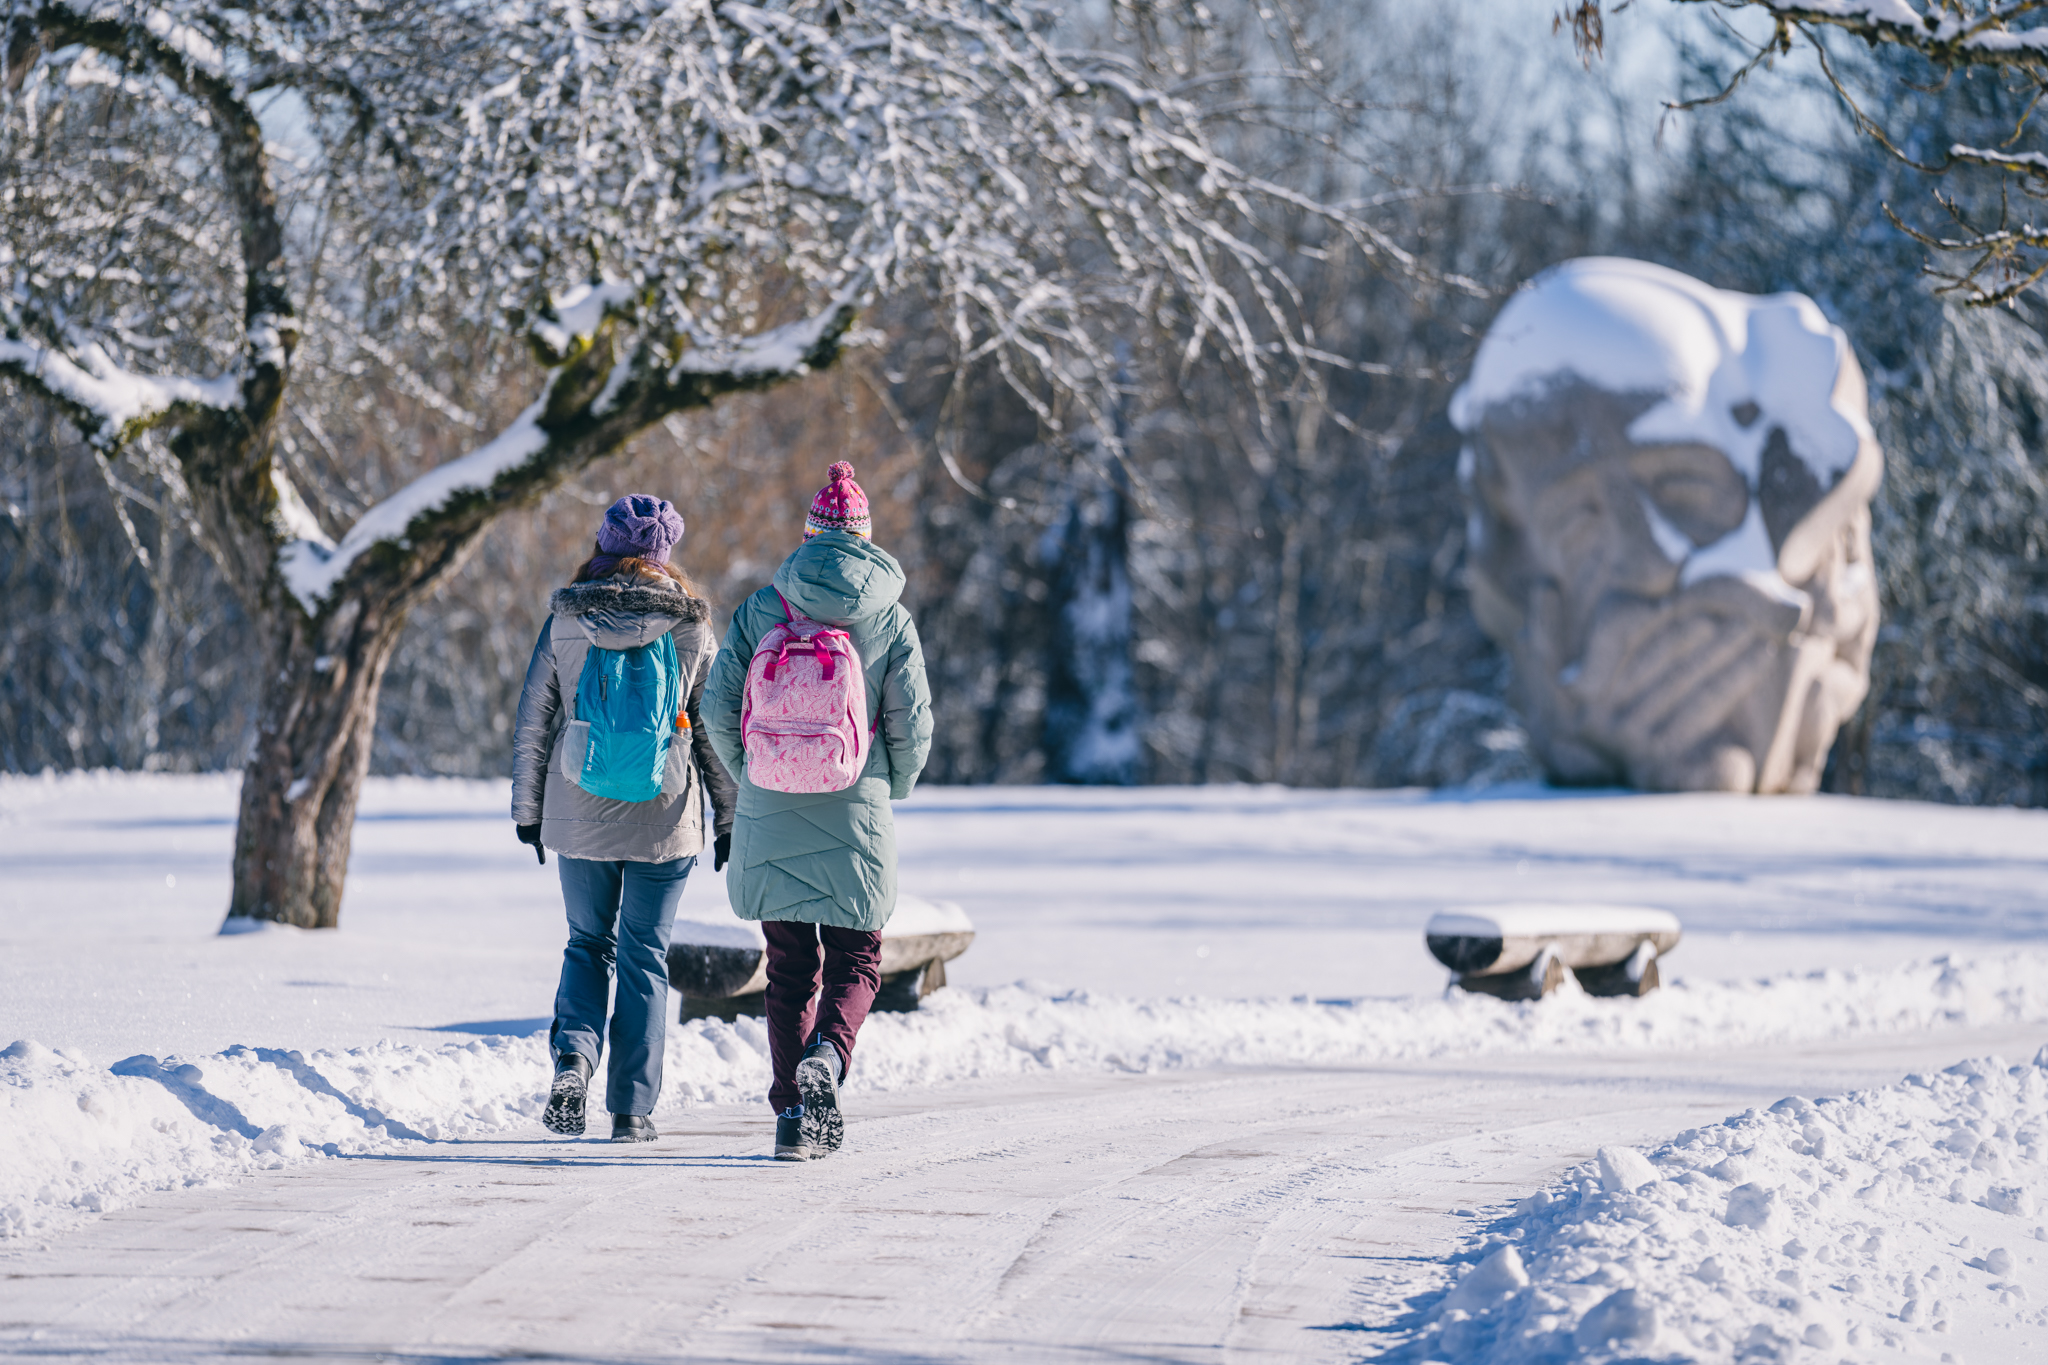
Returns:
point(623, 856)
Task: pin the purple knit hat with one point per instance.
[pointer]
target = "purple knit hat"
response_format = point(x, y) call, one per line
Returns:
point(841, 505)
point(639, 525)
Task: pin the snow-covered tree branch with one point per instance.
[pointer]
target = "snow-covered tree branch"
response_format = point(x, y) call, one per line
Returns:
point(584, 407)
point(112, 405)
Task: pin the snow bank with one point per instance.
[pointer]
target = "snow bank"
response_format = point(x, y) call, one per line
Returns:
point(77, 1138)
point(1894, 1219)
point(1014, 1029)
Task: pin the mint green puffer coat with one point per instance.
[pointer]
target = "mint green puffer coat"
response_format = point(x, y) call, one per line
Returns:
point(828, 857)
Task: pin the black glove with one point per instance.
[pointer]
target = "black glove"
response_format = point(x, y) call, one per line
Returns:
point(721, 849)
point(530, 834)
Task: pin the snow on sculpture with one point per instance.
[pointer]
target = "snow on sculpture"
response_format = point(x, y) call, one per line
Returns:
point(1669, 490)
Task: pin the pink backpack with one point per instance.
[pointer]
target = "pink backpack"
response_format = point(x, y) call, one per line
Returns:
point(806, 697)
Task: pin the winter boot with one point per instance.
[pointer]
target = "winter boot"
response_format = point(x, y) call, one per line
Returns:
point(789, 1135)
point(633, 1128)
point(565, 1101)
point(817, 1081)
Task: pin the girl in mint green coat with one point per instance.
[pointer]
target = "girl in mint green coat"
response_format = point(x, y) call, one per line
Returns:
point(819, 869)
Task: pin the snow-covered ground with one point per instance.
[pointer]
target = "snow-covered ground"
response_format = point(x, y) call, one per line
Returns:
point(1847, 1227)
point(1235, 937)
point(451, 929)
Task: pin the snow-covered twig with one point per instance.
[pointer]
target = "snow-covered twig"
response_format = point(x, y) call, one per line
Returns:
point(1954, 35)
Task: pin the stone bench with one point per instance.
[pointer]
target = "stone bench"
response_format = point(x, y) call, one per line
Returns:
point(720, 967)
point(1521, 952)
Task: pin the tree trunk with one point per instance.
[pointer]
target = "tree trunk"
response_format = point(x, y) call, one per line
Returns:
point(306, 771)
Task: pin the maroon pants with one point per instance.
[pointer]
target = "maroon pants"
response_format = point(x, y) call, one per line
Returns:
point(798, 1010)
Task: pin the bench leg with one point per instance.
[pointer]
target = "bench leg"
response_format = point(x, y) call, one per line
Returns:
point(1637, 975)
point(1532, 982)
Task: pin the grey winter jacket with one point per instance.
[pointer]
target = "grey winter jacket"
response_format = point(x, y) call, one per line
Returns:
point(624, 611)
point(827, 857)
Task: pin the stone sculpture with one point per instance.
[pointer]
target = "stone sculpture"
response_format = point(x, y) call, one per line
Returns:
point(1669, 492)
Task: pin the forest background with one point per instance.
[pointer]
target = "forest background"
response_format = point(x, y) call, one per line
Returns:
point(1240, 600)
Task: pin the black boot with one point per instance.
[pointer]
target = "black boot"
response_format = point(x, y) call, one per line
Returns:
point(817, 1080)
point(633, 1128)
point(789, 1135)
point(565, 1100)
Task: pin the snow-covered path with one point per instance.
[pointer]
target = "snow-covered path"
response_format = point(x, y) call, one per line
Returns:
point(1240, 1215)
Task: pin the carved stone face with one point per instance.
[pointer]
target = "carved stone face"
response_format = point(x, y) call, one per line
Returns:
point(1669, 488)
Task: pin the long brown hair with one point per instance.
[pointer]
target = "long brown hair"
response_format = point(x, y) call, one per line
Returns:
point(589, 569)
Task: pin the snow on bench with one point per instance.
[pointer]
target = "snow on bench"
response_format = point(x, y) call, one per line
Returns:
point(720, 967)
point(1521, 952)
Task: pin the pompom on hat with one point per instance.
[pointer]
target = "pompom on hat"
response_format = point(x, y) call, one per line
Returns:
point(642, 526)
point(841, 505)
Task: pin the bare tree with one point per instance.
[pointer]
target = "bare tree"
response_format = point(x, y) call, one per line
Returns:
point(1990, 256)
point(640, 190)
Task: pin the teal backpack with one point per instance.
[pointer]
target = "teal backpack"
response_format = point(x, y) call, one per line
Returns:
point(630, 698)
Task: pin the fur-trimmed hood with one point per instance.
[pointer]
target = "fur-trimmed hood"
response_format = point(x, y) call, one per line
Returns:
point(629, 609)
point(625, 612)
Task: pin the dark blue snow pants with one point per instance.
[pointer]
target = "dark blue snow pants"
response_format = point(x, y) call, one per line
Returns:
point(618, 911)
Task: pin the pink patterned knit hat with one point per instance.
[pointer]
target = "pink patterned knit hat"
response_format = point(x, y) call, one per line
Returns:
point(840, 506)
